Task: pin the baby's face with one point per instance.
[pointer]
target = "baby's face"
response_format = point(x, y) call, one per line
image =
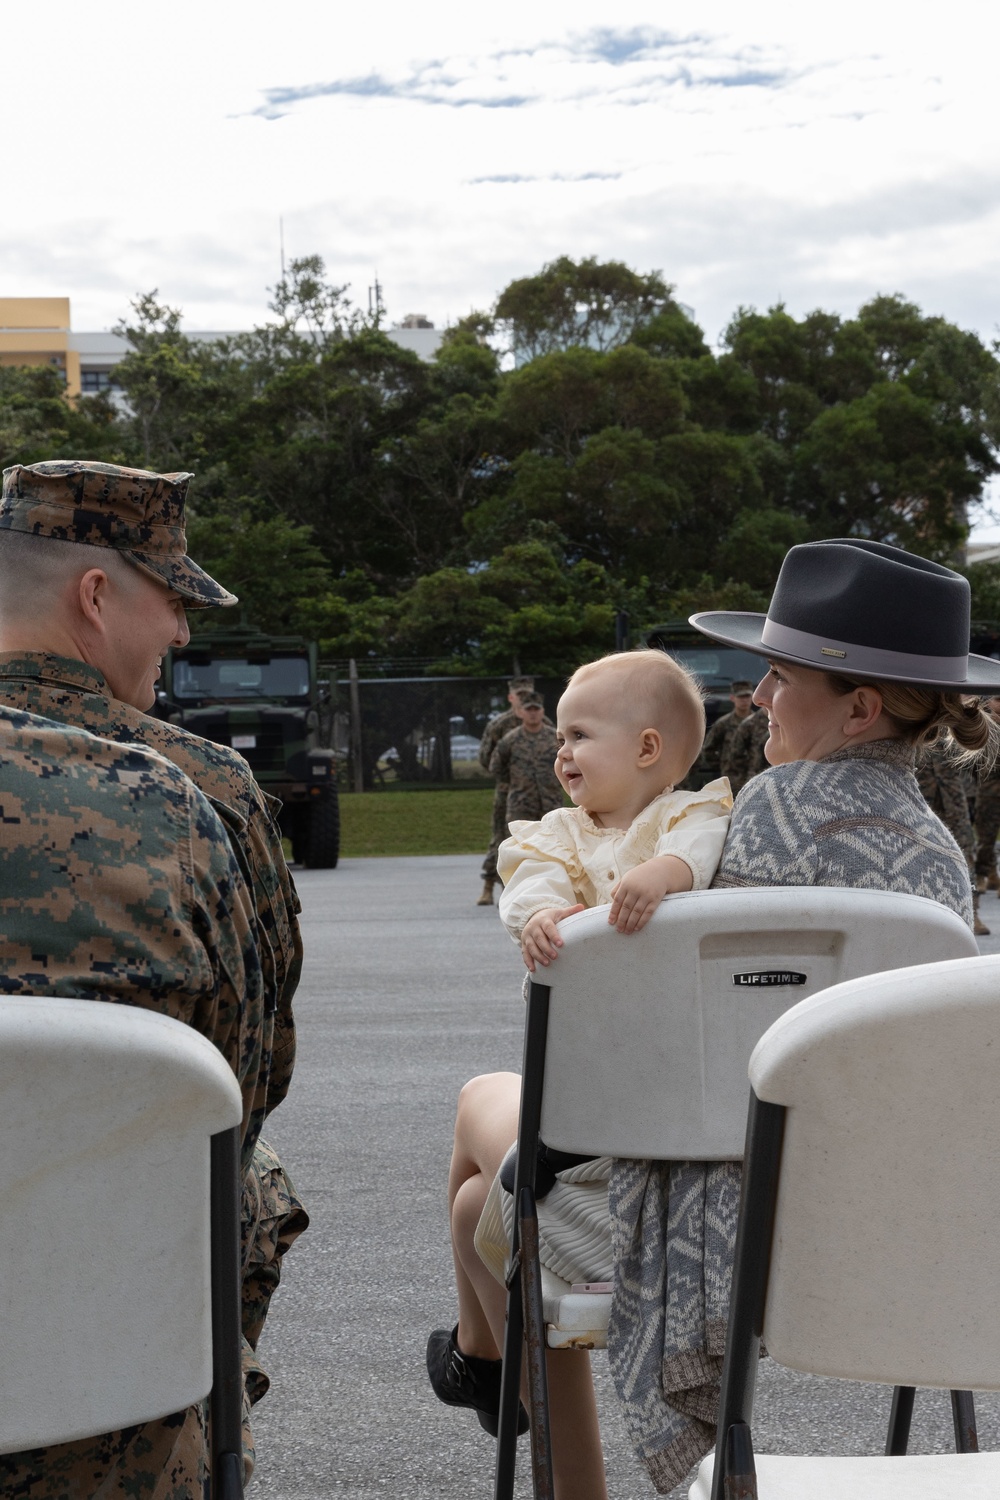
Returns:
point(598, 747)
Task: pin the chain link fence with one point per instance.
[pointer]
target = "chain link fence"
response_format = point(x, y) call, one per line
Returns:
point(422, 731)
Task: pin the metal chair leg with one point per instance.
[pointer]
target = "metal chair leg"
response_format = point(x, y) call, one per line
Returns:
point(532, 1076)
point(741, 1472)
point(534, 1338)
point(963, 1411)
point(898, 1436)
point(510, 1387)
point(227, 1382)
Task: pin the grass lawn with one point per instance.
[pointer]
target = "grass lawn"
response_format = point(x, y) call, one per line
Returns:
point(380, 823)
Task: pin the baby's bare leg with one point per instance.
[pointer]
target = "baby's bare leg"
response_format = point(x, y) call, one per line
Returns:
point(485, 1128)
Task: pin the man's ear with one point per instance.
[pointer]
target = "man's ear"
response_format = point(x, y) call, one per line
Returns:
point(650, 747)
point(864, 707)
point(92, 596)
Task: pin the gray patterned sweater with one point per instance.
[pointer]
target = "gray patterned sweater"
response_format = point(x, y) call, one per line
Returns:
point(856, 819)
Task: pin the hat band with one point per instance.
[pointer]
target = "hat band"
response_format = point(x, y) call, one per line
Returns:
point(845, 656)
point(72, 523)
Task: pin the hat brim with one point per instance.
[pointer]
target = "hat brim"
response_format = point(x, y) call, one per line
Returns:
point(196, 587)
point(743, 629)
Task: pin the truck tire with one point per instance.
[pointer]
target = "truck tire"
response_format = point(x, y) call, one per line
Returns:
point(298, 830)
point(322, 833)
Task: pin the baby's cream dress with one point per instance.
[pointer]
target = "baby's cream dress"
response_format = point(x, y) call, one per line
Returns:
point(567, 859)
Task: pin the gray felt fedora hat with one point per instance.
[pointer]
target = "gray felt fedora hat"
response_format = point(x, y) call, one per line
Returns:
point(867, 610)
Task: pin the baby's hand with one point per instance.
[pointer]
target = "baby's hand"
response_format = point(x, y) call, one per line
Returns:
point(638, 894)
point(540, 940)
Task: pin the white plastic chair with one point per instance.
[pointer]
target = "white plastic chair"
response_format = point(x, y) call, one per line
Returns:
point(869, 1245)
point(119, 1226)
point(638, 1047)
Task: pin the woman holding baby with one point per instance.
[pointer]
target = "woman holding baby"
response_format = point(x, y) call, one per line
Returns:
point(867, 658)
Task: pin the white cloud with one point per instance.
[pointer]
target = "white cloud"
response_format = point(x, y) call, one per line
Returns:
point(750, 153)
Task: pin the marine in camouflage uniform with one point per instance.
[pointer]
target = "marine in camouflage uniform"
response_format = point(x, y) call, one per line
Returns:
point(717, 751)
point(525, 760)
point(939, 774)
point(746, 757)
point(987, 825)
point(166, 921)
point(492, 735)
point(68, 500)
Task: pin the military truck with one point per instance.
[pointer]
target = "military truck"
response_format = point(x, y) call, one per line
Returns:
point(715, 666)
point(263, 695)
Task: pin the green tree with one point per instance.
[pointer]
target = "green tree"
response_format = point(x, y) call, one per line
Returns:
point(528, 606)
point(37, 422)
point(600, 304)
point(621, 443)
point(273, 566)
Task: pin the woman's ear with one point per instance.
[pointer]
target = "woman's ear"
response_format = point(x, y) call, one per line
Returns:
point(864, 709)
point(650, 747)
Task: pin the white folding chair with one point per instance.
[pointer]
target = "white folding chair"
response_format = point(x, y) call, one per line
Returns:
point(119, 1226)
point(868, 1245)
point(638, 1047)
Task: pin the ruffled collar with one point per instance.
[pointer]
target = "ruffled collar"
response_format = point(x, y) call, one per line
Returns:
point(647, 815)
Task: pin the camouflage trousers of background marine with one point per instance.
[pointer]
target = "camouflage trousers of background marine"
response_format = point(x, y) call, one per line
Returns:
point(498, 830)
point(987, 826)
point(168, 1459)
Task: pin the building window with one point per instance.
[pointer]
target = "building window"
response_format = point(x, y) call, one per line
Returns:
point(92, 381)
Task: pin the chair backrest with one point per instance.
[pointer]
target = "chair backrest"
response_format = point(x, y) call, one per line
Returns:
point(106, 1115)
point(649, 1035)
point(886, 1250)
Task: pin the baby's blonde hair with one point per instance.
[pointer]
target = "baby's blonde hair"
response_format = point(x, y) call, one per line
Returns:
point(655, 691)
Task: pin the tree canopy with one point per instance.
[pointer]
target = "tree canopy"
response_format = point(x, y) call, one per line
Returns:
point(465, 516)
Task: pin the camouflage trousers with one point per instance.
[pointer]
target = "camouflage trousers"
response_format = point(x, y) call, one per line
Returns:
point(168, 1459)
point(987, 827)
point(498, 830)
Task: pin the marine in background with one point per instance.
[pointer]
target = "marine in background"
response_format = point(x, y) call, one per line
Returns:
point(746, 754)
point(939, 775)
point(492, 735)
point(524, 761)
point(987, 820)
point(717, 751)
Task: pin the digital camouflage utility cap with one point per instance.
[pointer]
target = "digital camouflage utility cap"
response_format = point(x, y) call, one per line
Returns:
point(104, 505)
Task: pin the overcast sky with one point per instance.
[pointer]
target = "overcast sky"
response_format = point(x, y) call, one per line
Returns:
point(813, 154)
point(753, 153)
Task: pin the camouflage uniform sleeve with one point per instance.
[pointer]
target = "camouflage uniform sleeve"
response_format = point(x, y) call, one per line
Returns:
point(278, 909)
point(942, 773)
point(710, 760)
point(144, 903)
point(499, 765)
point(739, 755)
point(491, 734)
point(223, 918)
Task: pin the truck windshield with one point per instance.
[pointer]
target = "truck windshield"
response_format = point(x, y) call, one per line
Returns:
point(715, 666)
point(235, 677)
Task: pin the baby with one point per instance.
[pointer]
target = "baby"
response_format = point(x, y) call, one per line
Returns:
point(629, 728)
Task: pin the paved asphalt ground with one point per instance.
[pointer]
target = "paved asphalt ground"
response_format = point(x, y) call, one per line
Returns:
point(408, 990)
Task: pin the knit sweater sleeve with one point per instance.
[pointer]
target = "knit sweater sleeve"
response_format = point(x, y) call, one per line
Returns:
point(771, 840)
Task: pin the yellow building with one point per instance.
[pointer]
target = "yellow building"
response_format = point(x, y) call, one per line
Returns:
point(36, 331)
